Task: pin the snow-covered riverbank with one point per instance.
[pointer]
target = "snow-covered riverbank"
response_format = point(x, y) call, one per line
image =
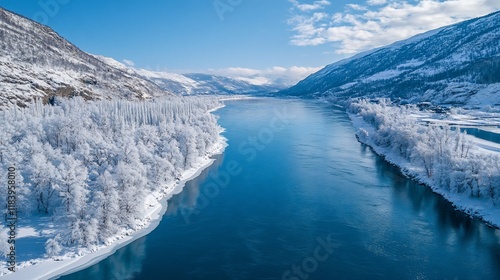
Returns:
point(154, 154)
point(448, 162)
point(51, 269)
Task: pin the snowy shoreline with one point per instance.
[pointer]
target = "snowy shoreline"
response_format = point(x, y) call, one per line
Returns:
point(157, 204)
point(51, 269)
point(475, 208)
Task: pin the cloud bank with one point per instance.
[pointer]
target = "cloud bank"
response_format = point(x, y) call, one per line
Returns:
point(377, 22)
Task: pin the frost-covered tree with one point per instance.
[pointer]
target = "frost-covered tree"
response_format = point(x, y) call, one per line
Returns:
point(53, 246)
point(91, 164)
point(73, 185)
point(4, 245)
point(442, 154)
point(44, 177)
point(107, 205)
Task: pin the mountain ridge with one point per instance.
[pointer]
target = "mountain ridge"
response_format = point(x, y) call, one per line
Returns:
point(456, 64)
point(198, 83)
point(36, 62)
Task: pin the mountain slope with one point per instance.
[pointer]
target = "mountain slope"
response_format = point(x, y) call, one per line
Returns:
point(230, 85)
point(458, 64)
point(197, 83)
point(35, 62)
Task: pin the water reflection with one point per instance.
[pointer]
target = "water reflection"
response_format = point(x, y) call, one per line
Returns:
point(452, 227)
point(495, 255)
point(189, 197)
point(126, 263)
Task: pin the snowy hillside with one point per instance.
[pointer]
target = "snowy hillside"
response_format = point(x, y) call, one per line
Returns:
point(458, 64)
point(37, 62)
point(197, 83)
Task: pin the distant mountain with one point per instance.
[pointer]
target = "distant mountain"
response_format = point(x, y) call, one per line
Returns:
point(196, 83)
point(458, 64)
point(221, 84)
point(35, 62)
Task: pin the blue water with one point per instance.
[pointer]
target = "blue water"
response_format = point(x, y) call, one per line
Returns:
point(483, 134)
point(295, 196)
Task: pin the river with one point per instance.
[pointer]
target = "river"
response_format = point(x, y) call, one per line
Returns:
point(295, 196)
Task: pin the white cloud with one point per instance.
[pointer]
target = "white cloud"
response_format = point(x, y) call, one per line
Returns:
point(316, 5)
point(363, 27)
point(357, 7)
point(239, 71)
point(308, 29)
point(284, 75)
point(376, 2)
point(129, 62)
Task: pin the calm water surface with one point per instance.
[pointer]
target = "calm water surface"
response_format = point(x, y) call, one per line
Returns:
point(483, 134)
point(295, 196)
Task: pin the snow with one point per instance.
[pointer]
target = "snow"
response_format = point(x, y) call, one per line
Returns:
point(112, 62)
point(168, 76)
point(35, 230)
point(487, 96)
point(465, 118)
point(411, 64)
point(492, 129)
point(49, 268)
point(348, 85)
point(417, 38)
point(373, 123)
point(27, 232)
point(486, 146)
point(384, 75)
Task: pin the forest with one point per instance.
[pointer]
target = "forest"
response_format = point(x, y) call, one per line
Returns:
point(89, 165)
point(440, 155)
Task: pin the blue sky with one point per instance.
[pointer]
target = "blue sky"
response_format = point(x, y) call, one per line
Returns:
point(241, 36)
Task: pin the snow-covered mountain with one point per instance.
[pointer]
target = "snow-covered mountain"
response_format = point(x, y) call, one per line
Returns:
point(231, 85)
point(458, 64)
point(197, 83)
point(36, 62)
